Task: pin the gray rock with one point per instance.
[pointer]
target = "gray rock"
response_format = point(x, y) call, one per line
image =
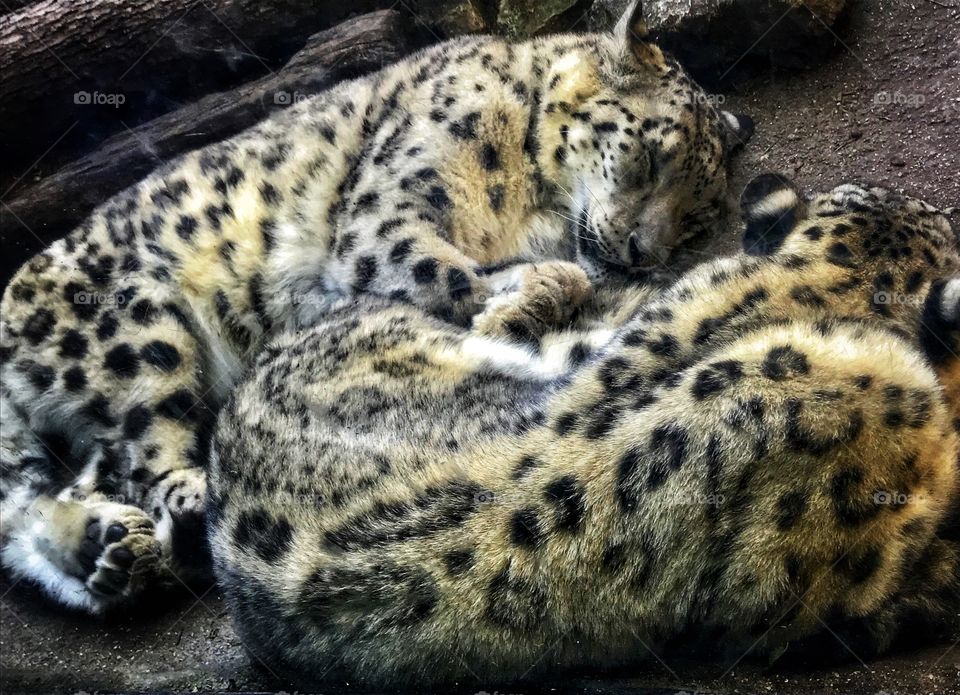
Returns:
point(455, 17)
point(718, 40)
point(523, 18)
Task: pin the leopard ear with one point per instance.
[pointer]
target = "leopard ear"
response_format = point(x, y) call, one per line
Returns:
point(772, 206)
point(633, 35)
point(738, 129)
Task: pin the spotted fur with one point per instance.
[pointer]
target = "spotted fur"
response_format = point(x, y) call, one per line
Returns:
point(761, 453)
point(416, 183)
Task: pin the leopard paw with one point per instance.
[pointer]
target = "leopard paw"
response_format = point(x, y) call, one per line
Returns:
point(546, 297)
point(187, 493)
point(119, 554)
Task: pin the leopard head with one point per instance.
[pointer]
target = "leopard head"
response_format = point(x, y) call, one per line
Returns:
point(639, 150)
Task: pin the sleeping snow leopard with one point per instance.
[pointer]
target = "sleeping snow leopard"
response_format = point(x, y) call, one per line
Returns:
point(417, 183)
point(761, 450)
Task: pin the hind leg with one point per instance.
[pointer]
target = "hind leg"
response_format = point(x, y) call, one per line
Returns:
point(130, 401)
point(161, 446)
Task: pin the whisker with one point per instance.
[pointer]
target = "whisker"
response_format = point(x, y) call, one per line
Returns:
point(592, 195)
point(575, 223)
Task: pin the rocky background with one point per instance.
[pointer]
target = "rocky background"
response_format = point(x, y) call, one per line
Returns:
point(96, 93)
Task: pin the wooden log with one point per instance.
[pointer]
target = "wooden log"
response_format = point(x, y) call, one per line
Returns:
point(10, 6)
point(63, 61)
point(52, 207)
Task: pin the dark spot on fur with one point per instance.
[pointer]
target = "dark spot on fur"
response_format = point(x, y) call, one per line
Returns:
point(515, 602)
point(144, 312)
point(367, 202)
point(80, 301)
point(665, 346)
point(365, 270)
point(268, 537)
point(437, 508)
point(790, 508)
point(425, 271)
point(458, 284)
point(401, 250)
point(161, 355)
point(38, 326)
point(628, 479)
point(784, 361)
point(74, 379)
point(716, 377)
point(568, 497)
point(388, 226)
point(186, 227)
point(107, 328)
point(807, 296)
point(466, 127)
point(495, 195)
point(74, 345)
point(525, 530)
point(39, 375)
point(566, 423)
point(489, 157)
point(136, 422)
point(527, 463)
point(614, 557)
point(98, 410)
point(852, 504)
point(123, 361)
point(840, 254)
point(458, 562)
point(179, 405)
point(668, 450)
point(859, 564)
point(438, 198)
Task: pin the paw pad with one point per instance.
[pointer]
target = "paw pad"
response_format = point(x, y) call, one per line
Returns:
point(118, 551)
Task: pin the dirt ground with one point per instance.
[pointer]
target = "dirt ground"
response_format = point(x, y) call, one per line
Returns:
point(884, 109)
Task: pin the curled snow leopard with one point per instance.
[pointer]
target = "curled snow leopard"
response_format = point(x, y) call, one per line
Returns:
point(416, 183)
point(762, 450)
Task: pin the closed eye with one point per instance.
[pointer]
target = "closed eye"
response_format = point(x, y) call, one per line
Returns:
point(644, 168)
point(653, 168)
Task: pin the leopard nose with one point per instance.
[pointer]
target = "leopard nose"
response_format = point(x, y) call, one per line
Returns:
point(638, 257)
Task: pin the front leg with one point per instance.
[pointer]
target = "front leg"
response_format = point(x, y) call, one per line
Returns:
point(410, 261)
